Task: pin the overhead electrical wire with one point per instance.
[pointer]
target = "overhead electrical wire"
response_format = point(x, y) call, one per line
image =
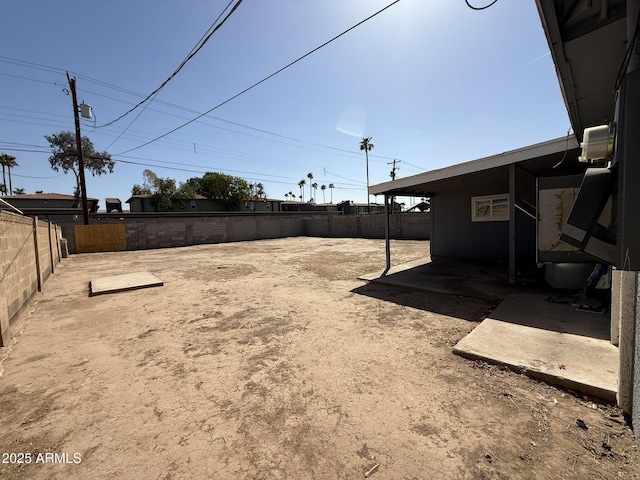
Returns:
point(201, 43)
point(480, 8)
point(263, 80)
point(48, 68)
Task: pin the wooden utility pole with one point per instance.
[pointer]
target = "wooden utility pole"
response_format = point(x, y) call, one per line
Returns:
point(83, 185)
point(393, 177)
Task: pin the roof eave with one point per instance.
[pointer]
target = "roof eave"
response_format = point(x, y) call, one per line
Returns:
point(505, 158)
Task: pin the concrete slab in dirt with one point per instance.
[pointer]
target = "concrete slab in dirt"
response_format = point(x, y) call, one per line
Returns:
point(120, 283)
point(550, 341)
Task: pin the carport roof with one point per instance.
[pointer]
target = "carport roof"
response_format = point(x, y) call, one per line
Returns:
point(538, 159)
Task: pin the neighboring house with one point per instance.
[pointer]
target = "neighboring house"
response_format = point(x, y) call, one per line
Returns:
point(113, 205)
point(348, 207)
point(419, 207)
point(491, 208)
point(31, 203)
point(290, 206)
point(258, 204)
point(200, 203)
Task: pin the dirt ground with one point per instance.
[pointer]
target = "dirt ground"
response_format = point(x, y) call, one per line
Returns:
point(270, 360)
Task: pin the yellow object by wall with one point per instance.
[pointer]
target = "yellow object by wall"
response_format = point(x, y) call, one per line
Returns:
point(100, 238)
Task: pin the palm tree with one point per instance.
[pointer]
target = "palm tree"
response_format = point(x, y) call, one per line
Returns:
point(301, 184)
point(7, 161)
point(291, 195)
point(323, 187)
point(367, 146)
point(310, 177)
point(19, 191)
point(286, 196)
point(315, 190)
point(331, 187)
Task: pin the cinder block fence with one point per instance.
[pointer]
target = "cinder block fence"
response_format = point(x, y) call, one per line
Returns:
point(29, 252)
point(113, 232)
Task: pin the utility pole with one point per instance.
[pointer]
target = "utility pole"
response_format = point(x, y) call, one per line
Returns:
point(83, 186)
point(393, 177)
point(393, 170)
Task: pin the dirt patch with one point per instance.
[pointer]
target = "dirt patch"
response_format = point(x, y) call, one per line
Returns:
point(270, 359)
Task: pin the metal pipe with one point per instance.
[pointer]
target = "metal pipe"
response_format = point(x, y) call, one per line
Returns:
point(386, 232)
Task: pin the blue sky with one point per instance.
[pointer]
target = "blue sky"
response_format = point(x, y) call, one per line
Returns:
point(433, 82)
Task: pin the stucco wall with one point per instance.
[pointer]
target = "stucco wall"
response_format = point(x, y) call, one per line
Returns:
point(456, 236)
point(24, 269)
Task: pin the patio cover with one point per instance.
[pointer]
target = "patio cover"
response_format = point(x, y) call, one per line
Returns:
point(552, 158)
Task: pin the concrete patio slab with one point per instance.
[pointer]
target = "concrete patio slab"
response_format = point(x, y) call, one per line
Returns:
point(120, 283)
point(550, 341)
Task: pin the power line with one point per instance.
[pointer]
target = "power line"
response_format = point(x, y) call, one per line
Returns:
point(480, 8)
point(203, 40)
point(263, 80)
point(180, 107)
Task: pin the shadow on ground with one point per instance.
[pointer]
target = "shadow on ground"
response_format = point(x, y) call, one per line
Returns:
point(472, 309)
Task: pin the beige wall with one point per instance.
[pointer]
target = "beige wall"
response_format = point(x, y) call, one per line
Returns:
point(22, 271)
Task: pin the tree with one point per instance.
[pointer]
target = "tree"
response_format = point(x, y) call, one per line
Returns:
point(65, 156)
point(310, 177)
point(8, 162)
point(19, 191)
point(165, 196)
point(323, 187)
point(331, 187)
point(231, 192)
point(291, 195)
point(314, 185)
point(367, 146)
point(301, 184)
point(140, 190)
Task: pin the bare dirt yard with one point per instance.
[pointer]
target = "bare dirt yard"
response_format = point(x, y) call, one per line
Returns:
point(270, 360)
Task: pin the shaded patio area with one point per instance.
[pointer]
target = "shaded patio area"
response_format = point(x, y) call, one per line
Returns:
point(553, 342)
point(470, 278)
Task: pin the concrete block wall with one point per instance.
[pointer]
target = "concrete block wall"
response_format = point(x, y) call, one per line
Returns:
point(166, 231)
point(404, 226)
point(23, 268)
point(318, 227)
point(44, 251)
point(344, 226)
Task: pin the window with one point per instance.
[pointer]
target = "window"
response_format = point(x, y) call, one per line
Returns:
point(490, 208)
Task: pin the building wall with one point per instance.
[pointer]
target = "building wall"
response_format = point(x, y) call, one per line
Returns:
point(27, 202)
point(138, 205)
point(456, 236)
point(24, 268)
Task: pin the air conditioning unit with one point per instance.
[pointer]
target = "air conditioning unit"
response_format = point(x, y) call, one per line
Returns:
point(597, 143)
